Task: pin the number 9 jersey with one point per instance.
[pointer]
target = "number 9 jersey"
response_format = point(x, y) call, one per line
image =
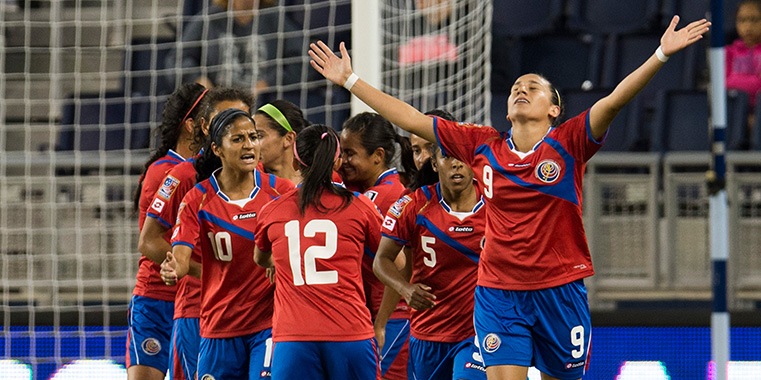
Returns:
point(236, 297)
point(318, 260)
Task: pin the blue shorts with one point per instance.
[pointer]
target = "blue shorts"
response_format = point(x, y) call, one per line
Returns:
point(445, 361)
point(150, 324)
point(326, 360)
point(397, 334)
point(547, 328)
point(245, 357)
point(183, 354)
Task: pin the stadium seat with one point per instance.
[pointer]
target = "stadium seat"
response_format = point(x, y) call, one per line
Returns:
point(681, 121)
point(146, 60)
point(624, 131)
point(738, 106)
point(315, 17)
point(565, 60)
point(612, 17)
point(688, 11)
point(81, 121)
point(514, 18)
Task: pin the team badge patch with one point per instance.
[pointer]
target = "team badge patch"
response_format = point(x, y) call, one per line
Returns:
point(371, 194)
point(151, 346)
point(170, 184)
point(492, 342)
point(389, 223)
point(398, 206)
point(207, 377)
point(548, 171)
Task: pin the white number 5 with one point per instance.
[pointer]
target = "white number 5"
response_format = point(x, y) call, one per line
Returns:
point(312, 275)
point(424, 241)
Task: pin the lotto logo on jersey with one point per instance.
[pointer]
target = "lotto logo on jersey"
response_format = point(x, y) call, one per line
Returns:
point(548, 171)
point(151, 346)
point(372, 194)
point(170, 184)
point(465, 229)
point(492, 342)
point(245, 216)
point(398, 206)
point(158, 205)
point(389, 223)
point(575, 365)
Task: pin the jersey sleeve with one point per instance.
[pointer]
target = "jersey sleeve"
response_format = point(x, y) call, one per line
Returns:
point(280, 185)
point(188, 226)
point(460, 140)
point(396, 224)
point(372, 225)
point(578, 135)
point(261, 237)
point(168, 198)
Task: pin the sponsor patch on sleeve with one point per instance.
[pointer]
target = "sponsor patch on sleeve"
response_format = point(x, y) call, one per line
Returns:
point(372, 194)
point(168, 187)
point(158, 205)
point(389, 223)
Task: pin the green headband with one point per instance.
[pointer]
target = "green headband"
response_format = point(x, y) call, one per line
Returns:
point(275, 113)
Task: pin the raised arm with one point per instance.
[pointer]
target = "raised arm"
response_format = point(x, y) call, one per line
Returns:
point(338, 71)
point(603, 112)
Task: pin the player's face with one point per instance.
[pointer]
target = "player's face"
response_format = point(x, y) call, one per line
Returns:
point(240, 146)
point(748, 24)
point(273, 144)
point(357, 166)
point(454, 175)
point(421, 150)
point(531, 99)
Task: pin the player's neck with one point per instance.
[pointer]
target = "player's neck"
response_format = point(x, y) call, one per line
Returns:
point(527, 134)
point(183, 147)
point(235, 184)
point(285, 170)
point(371, 180)
point(460, 201)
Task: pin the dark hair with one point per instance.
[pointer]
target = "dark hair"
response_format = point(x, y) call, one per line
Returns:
point(220, 125)
point(291, 112)
point(376, 132)
point(218, 95)
point(426, 175)
point(316, 149)
point(757, 3)
point(178, 105)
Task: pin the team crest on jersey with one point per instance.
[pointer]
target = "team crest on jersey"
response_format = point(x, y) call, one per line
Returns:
point(465, 229)
point(398, 206)
point(151, 346)
point(158, 205)
point(389, 223)
point(207, 377)
point(492, 342)
point(170, 184)
point(371, 194)
point(244, 216)
point(548, 171)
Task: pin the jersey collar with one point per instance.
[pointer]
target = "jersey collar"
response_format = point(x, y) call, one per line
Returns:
point(215, 185)
point(384, 175)
point(448, 209)
point(175, 155)
point(520, 154)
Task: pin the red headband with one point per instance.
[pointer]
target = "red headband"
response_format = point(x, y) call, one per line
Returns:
point(194, 106)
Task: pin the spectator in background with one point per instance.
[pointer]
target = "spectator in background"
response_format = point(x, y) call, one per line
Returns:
point(743, 57)
point(236, 42)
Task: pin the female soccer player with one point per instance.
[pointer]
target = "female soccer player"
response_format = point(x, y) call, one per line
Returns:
point(219, 214)
point(443, 224)
point(150, 311)
point(369, 143)
point(278, 123)
point(162, 214)
point(531, 306)
point(322, 327)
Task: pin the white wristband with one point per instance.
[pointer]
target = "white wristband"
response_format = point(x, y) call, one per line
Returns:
point(659, 53)
point(350, 82)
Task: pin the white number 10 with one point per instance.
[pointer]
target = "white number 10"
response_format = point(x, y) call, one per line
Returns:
point(311, 274)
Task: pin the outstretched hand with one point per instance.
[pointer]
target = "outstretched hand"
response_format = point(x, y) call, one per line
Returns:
point(336, 70)
point(675, 40)
point(169, 269)
point(419, 296)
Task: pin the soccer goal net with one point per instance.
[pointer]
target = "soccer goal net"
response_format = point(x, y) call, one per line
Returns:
point(83, 83)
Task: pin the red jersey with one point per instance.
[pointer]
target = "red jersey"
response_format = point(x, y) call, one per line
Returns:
point(534, 233)
point(149, 282)
point(318, 257)
point(445, 254)
point(387, 190)
point(164, 208)
point(236, 297)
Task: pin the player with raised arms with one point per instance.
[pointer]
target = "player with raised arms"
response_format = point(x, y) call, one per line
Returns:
point(369, 143)
point(219, 214)
point(443, 225)
point(162, 214)
point(315, 238)
point(152, 306)
point(531, 305)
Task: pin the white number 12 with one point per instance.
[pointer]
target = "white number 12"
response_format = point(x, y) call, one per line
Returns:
point(311, 274)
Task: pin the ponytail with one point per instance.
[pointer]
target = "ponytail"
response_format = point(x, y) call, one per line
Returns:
point(316, 149)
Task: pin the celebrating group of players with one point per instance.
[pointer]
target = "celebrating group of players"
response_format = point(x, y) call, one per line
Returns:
point(264, 278)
